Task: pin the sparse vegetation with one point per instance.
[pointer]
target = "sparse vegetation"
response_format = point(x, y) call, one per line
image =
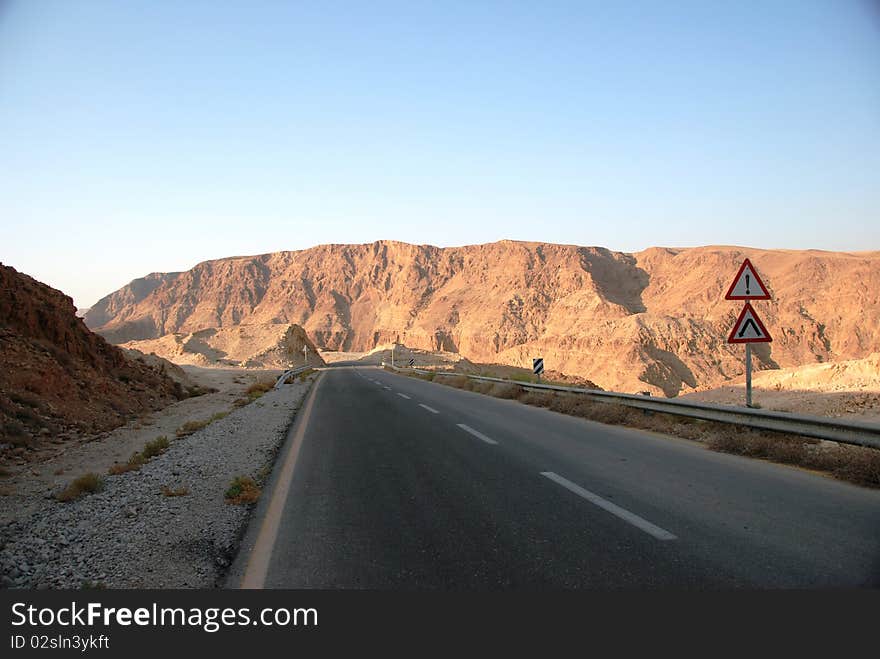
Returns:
point(264, 473)
point(85, 484)
point(138, 460)
point(243, 489)
point(257, 389)
point(190, 427)
point(174, 492)
point(196, 390)
point(156, 447)
point(135, 462)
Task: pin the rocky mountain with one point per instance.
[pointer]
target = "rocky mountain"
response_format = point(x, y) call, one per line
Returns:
point(655, 318)
point(57, 377)
point(267, 345)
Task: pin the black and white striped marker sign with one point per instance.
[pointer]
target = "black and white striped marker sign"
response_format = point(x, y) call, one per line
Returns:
point(538, 365)
point(412, 362)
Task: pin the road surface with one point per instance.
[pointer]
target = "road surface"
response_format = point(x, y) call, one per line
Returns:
point(404, 484)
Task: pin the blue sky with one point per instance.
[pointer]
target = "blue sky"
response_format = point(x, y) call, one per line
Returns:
point(149, 136)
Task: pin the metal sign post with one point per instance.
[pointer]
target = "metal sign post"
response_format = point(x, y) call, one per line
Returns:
point(748, 329)
point(306, 355)
point(748, 374)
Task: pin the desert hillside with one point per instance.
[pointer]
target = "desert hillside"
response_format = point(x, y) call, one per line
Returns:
point(267, 345)
point(58, 378)
point(655, 318)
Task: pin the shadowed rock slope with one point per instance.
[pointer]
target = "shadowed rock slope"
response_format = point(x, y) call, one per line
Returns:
point(58, 378)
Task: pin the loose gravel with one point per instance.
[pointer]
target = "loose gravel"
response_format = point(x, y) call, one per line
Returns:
point(130, 535)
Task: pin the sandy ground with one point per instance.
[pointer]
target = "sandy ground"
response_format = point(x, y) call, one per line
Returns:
point(264, 345)
point(849, 389)
point(27, 487)
point(853, 405)
point(333, 356)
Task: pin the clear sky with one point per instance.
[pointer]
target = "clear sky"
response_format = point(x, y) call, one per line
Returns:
point(140, 136)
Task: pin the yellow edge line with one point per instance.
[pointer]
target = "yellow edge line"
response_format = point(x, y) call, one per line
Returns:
point(258, 563)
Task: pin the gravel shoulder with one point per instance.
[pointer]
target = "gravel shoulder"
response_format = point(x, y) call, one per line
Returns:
point(130, 534)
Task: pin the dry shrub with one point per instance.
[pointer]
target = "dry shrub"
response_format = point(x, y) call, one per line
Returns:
point(174, 492)
point(856, 464)
point(507, 391)
point(85, 484)
point(243, 489)
point(156, 447)
point(190, 427)
point(535, 398)
point(481, 387)
point(196, 390)
point(612, 413)
point(257, 389)
point(458, 381)
point(756, 444)
point(135, 462)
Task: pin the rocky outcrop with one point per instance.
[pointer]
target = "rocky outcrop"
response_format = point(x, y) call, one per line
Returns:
point(268, 345)
point(652, 320)
point(57, 377)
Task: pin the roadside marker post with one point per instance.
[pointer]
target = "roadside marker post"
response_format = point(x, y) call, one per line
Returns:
point(538, 367)
point(748, 328)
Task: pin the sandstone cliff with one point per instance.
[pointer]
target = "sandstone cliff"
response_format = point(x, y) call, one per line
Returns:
point(655, 318)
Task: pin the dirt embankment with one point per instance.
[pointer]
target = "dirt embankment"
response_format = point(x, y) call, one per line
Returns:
point(847, 389)
point(28, 484)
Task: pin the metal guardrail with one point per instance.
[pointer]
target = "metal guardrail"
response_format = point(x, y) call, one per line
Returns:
point(293, 371)
point(837, 430)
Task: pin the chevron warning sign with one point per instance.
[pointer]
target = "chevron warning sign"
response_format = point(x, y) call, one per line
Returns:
point(749, 328)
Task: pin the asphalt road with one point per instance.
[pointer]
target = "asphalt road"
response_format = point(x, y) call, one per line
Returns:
point(405, 484)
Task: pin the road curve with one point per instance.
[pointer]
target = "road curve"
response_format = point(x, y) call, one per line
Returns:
point(405, 484)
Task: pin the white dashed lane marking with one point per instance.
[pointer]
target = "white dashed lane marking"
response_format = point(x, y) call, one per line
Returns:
point(477, 434)
point(614, 509)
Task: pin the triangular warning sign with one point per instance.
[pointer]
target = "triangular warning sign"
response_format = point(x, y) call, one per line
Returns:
point(749, 328)
point(747, 285)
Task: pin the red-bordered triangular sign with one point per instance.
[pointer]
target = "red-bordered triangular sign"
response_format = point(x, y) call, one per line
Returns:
point(749, 328)
point(747, 285)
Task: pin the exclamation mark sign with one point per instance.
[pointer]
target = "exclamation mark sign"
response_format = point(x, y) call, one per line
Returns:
point(748, 292)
